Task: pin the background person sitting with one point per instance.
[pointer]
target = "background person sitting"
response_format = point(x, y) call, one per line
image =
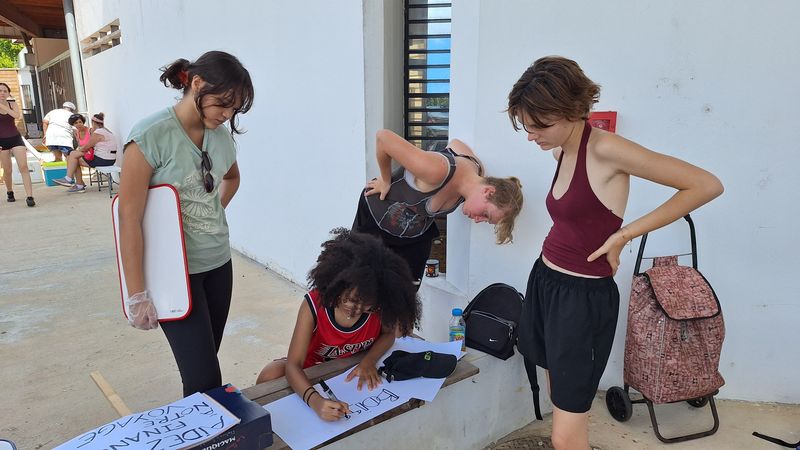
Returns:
point(57, 130)
point(80, 131)
point(99, 150)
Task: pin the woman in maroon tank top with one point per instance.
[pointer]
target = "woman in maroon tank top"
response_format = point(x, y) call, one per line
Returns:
point(571, 303)
point(11, 144)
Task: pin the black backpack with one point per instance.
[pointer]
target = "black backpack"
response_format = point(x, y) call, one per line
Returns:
point(491, 320)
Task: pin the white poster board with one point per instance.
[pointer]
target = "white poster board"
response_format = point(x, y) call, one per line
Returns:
point(166, 271)
point(300, 427)
point(185, 423)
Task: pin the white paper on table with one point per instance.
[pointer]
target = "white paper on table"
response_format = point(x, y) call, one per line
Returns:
point(421, 388)
point(300, 427)
point(181, 424)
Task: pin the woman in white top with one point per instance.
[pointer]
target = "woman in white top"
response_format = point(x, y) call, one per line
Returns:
point(57, 130)
point(99, 151)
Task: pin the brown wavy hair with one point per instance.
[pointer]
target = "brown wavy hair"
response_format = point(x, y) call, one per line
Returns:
point(552, 87)
point(224, 75)
point(508, 197)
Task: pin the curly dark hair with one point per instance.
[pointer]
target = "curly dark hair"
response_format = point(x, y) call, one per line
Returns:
point(380, 277)
point(74, 118)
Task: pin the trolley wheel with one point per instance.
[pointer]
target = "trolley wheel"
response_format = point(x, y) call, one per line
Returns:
point(698, 402)
point(618, 403)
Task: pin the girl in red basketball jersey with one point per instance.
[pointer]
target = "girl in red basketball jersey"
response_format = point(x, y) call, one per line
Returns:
point(361, 297)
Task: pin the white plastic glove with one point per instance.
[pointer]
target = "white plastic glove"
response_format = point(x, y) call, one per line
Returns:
point(141, 311)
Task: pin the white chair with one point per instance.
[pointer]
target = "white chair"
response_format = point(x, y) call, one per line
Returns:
point(112, 175)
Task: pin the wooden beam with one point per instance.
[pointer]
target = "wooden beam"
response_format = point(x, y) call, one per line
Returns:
point(112, 397)
point(13, 16)
point(93, 47)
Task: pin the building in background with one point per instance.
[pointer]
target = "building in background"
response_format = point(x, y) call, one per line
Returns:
point(46, 72)
point(693, 80)
point(12, 79)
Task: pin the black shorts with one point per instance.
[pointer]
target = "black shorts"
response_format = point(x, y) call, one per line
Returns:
point(99, 162)
point(567, 327)
point(7, 143)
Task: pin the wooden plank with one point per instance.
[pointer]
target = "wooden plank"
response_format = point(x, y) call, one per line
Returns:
point(276, 389)
point(40, 3)
point(13, 16)
point(273, 390)
point(112, 397)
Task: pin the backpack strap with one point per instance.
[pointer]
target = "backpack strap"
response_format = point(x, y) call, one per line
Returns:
point(530, 367)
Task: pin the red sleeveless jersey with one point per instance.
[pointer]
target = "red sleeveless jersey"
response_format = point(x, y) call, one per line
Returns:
point(330, 340)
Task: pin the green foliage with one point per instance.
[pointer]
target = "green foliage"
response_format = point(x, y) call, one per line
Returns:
point(9, 52)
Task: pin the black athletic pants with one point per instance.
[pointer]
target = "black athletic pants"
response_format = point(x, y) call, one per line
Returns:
point(195, 340)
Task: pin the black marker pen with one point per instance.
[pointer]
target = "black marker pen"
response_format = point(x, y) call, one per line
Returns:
point(331, 395)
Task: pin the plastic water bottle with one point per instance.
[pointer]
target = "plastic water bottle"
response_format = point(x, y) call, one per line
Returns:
point(457, 327)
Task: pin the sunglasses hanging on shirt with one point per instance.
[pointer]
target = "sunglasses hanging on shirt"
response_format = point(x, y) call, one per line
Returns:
point(205, 171)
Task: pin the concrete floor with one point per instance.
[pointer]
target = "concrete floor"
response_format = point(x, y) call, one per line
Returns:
point(60, 320)
point(738, 420)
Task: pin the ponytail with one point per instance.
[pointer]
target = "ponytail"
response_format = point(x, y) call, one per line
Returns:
point(173, 75)
point(224, 76)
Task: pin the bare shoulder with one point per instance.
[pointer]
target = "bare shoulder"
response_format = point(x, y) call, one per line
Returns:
point(626, 156)
point(613, 148)
point(461, 148)
point(305, 309)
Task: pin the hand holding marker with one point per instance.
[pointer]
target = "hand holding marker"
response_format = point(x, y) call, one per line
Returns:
point(332, 396)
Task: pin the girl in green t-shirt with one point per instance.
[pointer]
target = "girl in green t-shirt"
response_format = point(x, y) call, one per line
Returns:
point(187, 147)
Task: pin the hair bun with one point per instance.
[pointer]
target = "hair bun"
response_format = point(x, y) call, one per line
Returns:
point(171, 76)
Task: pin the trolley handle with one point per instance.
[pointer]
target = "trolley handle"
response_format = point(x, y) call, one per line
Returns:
point(644, 240)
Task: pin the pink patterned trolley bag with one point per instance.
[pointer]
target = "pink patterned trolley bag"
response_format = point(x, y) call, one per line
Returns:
point(673, 342)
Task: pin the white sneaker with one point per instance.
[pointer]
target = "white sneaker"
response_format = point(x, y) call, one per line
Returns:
point(64, 182)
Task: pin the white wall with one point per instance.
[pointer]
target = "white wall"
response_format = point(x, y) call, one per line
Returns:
point(691, 79)
point(302, 159)
point(383, 74)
